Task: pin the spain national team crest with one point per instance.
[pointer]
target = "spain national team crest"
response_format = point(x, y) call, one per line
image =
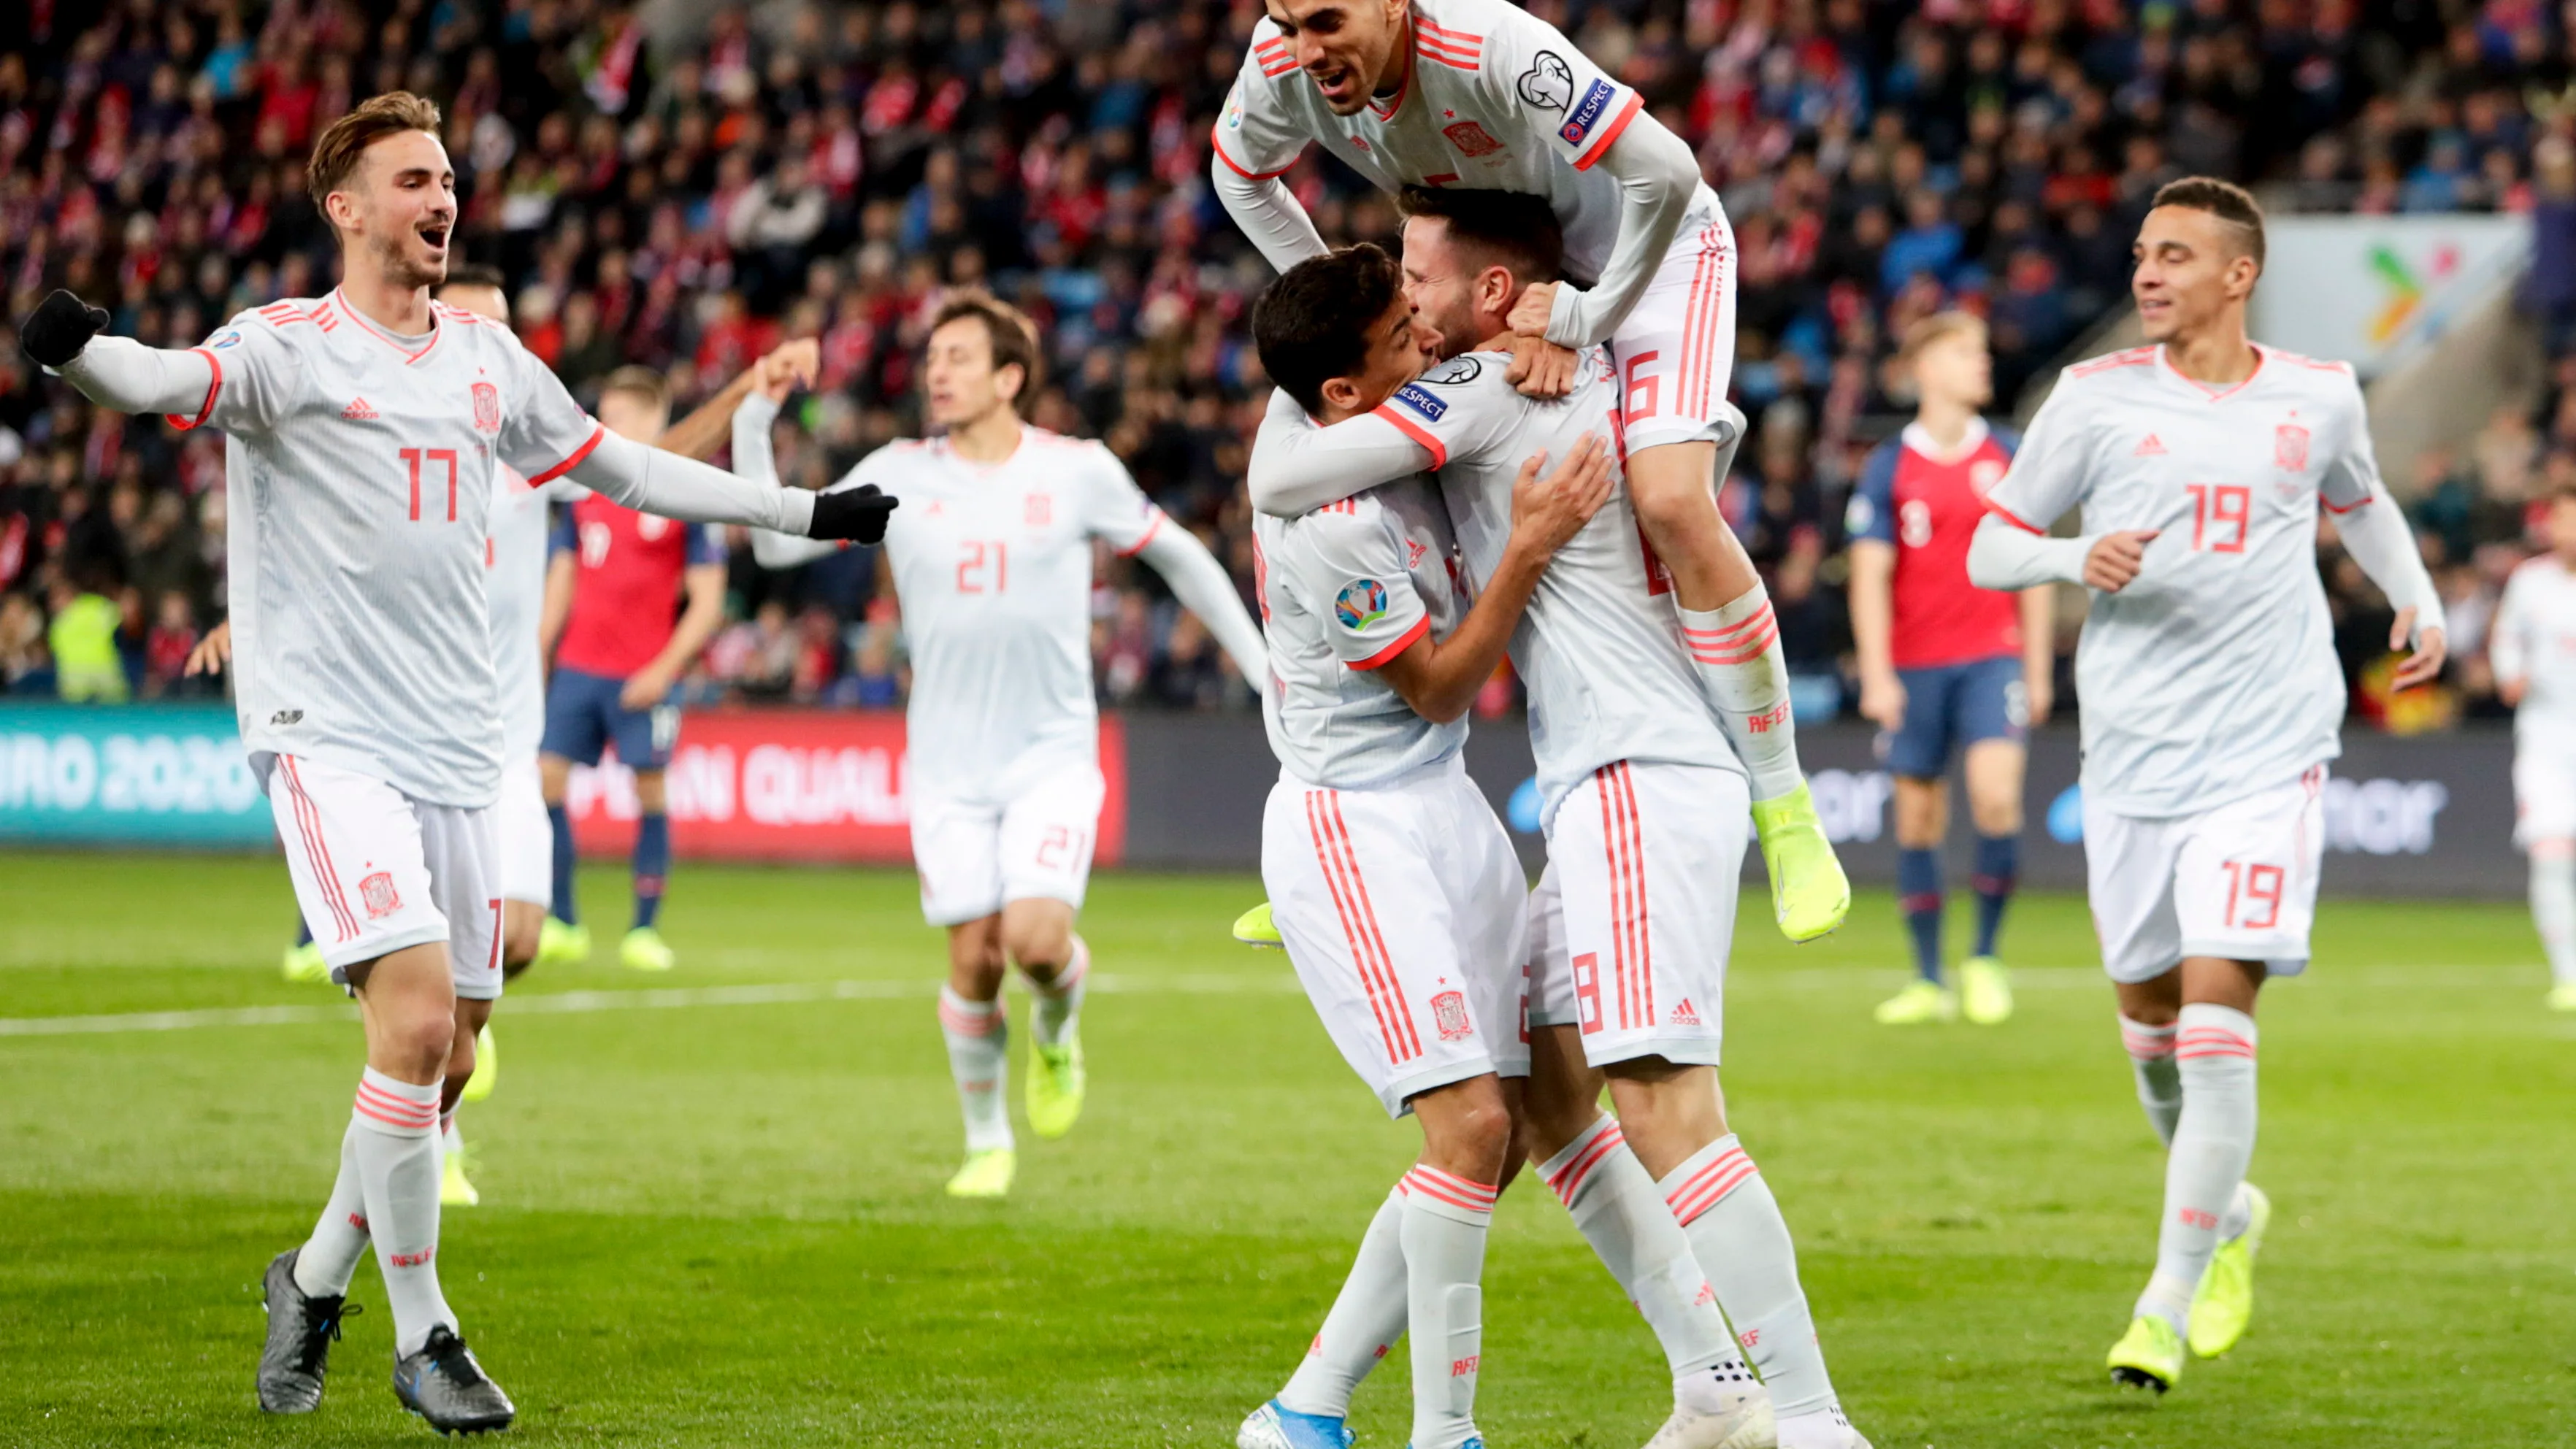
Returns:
point(1037, 510)
point(1449, 1016)
point(1361, 602)
point(378, 892)
point(487, 408)
point(2290, 447)
point(1471, 139)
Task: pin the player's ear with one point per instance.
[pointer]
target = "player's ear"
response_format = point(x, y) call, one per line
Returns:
point(1496, 289)
point(1008, 379)
point(1341, 394)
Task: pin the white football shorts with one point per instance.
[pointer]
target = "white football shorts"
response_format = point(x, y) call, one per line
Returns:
point(1633, 921)
point(1676, 351)
point(2238, 882)
point(527, 835)
point(2544, 792)
point(376, 870)
point(1404, 912)
point(973, 855)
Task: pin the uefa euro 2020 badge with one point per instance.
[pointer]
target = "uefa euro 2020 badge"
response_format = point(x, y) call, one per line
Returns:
point(1362, 602)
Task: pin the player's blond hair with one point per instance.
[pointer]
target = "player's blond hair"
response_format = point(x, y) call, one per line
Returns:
point(343, 143)
point(1925, 331)
point(638, 382)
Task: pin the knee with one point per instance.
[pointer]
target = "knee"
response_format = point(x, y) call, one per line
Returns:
point(651, 794)
point(1041, 952)
point(1997, 817)
point(519, 943)
point(423, 1042)
point(1483, 1129)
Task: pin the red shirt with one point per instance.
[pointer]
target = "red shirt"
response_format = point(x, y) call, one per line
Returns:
point(1927, 505)
point(626, 587)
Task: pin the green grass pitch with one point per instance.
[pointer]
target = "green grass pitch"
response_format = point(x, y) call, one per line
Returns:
point(721, 1224)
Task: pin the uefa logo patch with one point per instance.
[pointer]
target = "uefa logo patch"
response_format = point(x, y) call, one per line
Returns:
point(1361, 602)
point(1412, 396)
point(1587, 112)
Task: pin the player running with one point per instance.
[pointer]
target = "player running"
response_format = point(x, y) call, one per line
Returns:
point(993, 571)
point(2212, 702)
point(1944, 663)
point(2533, 649)
point(1642, 803)
point(363, 429)
point(1402, 904)
point(1479, 94)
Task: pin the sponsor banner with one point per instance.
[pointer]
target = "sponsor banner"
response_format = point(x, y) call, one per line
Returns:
point(164, 774)
point(2374, 290)
point(802, 785)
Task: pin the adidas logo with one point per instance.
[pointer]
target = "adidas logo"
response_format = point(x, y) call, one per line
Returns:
point(358, 412)
point(2153, 447)
point(1684, 1014)
point(1414, 553)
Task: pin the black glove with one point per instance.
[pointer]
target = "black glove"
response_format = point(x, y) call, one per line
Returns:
point(59, 328)
point(854, 513)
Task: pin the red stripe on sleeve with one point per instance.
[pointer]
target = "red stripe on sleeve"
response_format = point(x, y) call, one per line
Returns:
point(1415, 431)
point(2015, 519)
point(212, 388)
point(1237, 167)
point(1420, 627)
point(1147, 537)
point(536, 480)
point(1610, 133)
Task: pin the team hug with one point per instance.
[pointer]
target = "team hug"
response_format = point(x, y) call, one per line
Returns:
point(1500, 442)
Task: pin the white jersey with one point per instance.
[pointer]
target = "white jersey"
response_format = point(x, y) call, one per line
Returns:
point(514, 559)
point(2534, 640)
point(1599, 646)
point(992, 564)
point(1343, 590)
point(360, 467)
point(1498, 100)
point(2213, 674)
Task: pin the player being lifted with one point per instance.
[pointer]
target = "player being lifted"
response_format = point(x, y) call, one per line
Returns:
point(2533, 647)
point(1479, 94)
point(363, 429)
point(2212, 702)
point(1402, 905)
point(1944, 663)
point(993, 573)
point(1642, 798)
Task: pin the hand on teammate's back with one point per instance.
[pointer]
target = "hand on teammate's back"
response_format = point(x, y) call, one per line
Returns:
point(2114, 558)
point(1548, 511)
point(59, 328)
point(1539, 367)
point(858, 514)
point(2424, 664)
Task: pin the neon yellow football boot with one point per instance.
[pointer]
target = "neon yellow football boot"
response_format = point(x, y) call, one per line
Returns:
point(1056, 1082)
point(1919, 1003)
point(305, 963)
point(645, 950)
point(1255, 928)
point(1985, 991)
point(453, 1188)
point(487, 1066)
point(1810, 895)
point(2563, 998)
point(559, 944)
point(2225, 1301)
point(2148, 1356)
point(987, 1174)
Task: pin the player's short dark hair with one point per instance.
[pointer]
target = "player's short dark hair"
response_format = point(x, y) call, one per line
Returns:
point(475, 274)
point(1313, 324)
point(2225, 200)
point(640, 382)
point(1513, 228)
point(1013, 335)
point(337, 151)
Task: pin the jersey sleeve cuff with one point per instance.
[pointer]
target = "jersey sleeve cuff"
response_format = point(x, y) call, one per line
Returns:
point(1420, 627)
point(1153, 529)
point(212, 388)
point(539, 480)
point(1237, 167)
point(1429, 440)
point(1601, 144)
point(2015, 519)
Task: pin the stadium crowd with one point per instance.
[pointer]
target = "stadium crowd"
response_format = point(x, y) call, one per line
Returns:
point(825, 170)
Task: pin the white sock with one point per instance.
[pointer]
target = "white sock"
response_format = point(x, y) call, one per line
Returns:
point(1742, 1242)
point(2212, 1145)
point(2151, 1056)
point(330, 1256)
point(1056, 1005)
point(979, 1039)
point(1746, 678)
point(1615, 1206)
point(2240, 1215)
point(451, 1143)
point(1445, 1219)
point(2553, 907)
point(1367, 1318)
point(398, 1162)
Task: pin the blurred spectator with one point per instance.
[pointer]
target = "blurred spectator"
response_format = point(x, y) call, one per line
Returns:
point(82, 640)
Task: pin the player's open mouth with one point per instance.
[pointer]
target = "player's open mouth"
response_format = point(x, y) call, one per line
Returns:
point(1331, 80)
point(436, 236)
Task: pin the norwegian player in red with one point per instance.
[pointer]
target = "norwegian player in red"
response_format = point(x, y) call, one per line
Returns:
point(2212, 702)
point(620, 639)
point(1944, 665)
point(363, 434)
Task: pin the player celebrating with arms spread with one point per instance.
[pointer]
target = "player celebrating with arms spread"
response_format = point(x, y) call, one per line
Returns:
point(362, 432)
point(1479, 94)
point(2212, 701)
point(993, 571)
point(1943, 662)
point(2533, 646)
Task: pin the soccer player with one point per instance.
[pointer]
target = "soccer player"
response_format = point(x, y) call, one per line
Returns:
point(613, 581)
point(1643, 800)
point(1479, 94)
point(1944, 663)
point(362, 432)
point(2533, 648)
point(1395, 888)
point(2212, 702)
point(993, 571)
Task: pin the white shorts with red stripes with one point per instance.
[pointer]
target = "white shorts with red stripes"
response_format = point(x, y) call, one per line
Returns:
point(2238, 882)
point(1632, 923)
point(1404, 912)
point(975, 856)
point(1676, 351)
point(376, 871)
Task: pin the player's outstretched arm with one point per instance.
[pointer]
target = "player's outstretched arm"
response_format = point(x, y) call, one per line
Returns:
point(755, 457)
point(1657, 175)
point(788, 365)
point(1439, 678)
point(1268, 214)
point(2374, 532)
point(118, 373)
point(1207, 590)
point(1298, 466)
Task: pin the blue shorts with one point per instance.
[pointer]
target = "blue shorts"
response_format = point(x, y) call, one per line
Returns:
point(1953, 706)
point(582, 713)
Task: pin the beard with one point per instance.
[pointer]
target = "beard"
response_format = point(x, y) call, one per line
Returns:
point(400, 267)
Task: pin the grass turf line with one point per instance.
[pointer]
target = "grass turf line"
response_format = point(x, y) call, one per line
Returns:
point(723, 1225)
